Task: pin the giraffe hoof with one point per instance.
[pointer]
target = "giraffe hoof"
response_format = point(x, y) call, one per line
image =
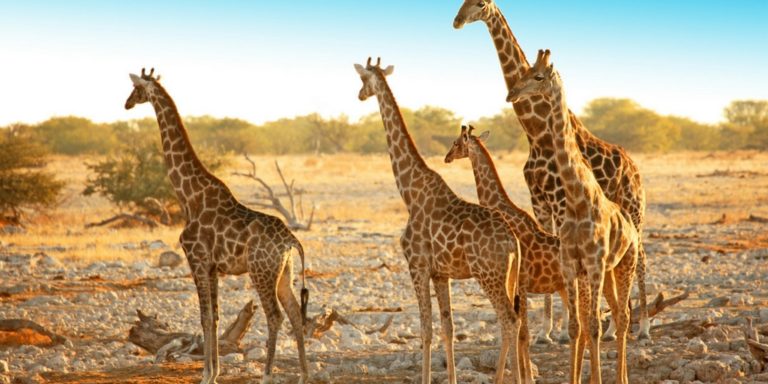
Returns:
point(564, 340)
point(543, 340)
point(608, 338)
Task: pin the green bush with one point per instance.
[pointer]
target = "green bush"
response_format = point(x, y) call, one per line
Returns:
point(23, 184)
point(136, 178)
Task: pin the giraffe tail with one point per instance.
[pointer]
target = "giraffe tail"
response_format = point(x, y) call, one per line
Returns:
point(304, 290)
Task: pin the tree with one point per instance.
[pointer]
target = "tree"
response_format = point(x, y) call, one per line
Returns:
point(136, 179)
point(76, 135)
point(506, 131)
point(23, 184)
point(746, 124)
point(624, 122)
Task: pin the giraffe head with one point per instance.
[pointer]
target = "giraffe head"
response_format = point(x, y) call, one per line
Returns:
point(462, 145)
point(141, 88)
point(473, 10)
point(371, 75)
point(540, 79)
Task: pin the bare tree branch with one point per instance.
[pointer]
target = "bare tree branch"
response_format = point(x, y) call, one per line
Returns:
point(267, 198)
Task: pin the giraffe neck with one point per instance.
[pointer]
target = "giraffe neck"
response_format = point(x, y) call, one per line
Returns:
point(576, 176)
point(511, 56)
point(407, 165)
point(491, 193)
point(180, 157)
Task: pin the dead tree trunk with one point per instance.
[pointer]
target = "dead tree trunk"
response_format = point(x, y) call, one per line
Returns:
point(156, 337)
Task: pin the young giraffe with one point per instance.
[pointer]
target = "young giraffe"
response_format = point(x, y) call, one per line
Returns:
point(598, 241)
point(446, 237)
point(539, 250)
point(222, 236)
point(616, 173)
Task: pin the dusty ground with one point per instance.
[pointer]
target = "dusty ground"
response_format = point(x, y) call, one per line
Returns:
point(86, 284)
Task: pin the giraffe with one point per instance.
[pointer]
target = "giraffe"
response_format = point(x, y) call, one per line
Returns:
point(222, 236)
point(614, 170)
point(446, 237)
point(598, 240)
point(540, 249)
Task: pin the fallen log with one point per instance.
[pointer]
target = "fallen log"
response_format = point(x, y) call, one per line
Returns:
point(156, 337)
point(657, 305)
point(124, 217)
point(18, 325)
point(319, 324)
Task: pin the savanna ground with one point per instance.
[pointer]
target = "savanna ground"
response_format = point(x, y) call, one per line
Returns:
point(89, 291)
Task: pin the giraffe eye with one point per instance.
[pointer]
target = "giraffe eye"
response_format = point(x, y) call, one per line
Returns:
point(481, 4)
point(538, 77)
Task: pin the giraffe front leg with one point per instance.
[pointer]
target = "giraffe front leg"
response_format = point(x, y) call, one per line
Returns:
point(421, 286)
point(443, 291)
point(207, 320)
point(564, 334)
point(543, 337)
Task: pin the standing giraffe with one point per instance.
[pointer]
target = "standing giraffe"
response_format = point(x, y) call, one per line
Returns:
point(598, 241)
point(616, 173)
point(222, 236)
point(539, 250)
point(446, 237)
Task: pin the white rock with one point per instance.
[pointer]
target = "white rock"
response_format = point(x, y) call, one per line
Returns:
point(169, 259)
point(696, 345)
point(154, 245)
point(740, 299)
point(96, 267)
point(465, 364)
point(3, 366)
point(256, 354)
point(232, 358)
point(5, 379)
point(140, 266)
point(47, 261)
point(763, 315)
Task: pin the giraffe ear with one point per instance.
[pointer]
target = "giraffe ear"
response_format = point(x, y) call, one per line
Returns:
point(360, 69)
point(388, 70)
point(135, 79)
point(483, 136)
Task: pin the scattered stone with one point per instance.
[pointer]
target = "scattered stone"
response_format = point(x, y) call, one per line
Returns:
point(763, 312)
point(58, 362)
point(3, 366)
point(741, 299)
point(465, 364)
point(140, 266)
point(256, 354)
point(696, 345)
point(47, 261)
point(719, 302)
point(709, 371)
point(169, 259)
point(154, 245)
point(5, 379)
point(683, 375)
point(232, 358)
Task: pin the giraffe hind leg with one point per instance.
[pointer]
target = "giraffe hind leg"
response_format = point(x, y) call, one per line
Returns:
point(645, 323)
point(293, 310)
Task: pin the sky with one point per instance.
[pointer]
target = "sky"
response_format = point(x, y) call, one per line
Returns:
point(263, 60)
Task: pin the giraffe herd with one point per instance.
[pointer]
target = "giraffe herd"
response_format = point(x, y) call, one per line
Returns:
point(582, 240)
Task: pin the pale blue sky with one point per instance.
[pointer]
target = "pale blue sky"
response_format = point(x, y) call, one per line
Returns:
point(264, 60)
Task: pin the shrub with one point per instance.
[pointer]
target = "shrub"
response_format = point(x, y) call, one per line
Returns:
point(23, 184)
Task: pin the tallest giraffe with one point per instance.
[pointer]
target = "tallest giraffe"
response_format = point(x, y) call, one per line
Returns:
point(616, 173)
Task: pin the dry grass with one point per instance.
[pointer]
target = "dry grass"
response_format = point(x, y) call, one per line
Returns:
point(682, 188)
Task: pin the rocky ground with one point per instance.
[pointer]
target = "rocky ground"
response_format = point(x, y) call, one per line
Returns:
point(356, 268)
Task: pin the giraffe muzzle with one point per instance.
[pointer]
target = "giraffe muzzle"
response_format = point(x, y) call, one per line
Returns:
point(513, 96)
point(458, 22)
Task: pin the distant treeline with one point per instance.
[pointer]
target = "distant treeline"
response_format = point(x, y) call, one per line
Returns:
point(620, 121)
